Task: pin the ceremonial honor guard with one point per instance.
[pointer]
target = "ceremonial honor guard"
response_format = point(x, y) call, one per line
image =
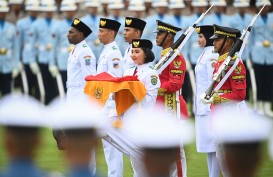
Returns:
point(133, 30)
point(7, 46)
point(81, 61)
point(41, 45)
point(203, 75)
point(22, 118)
point(110, 61)
point(261, 56)
point(92, 19)
point(24, 50)
point(172, 79)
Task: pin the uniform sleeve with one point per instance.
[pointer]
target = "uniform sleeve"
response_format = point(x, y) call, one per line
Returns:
point(237, 81)
point(152, 84)
point(115, 64)
point(14, 58)
point(18, 42)
point(87, 61)
point(210, 66)
point(33, 41)
point(176, 74)
point(54, 40)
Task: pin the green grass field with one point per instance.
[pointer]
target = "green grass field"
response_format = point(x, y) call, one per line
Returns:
point(50, 159)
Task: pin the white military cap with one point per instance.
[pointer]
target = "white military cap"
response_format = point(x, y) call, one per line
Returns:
point(115, 4)
point(32, 5)
point(4, 7)
point(15, 1)
point(22, 111)
point(158, 130)
point(78, 114)
point(218, 2)
point(136, 5)
point(68, 5)
point(262, 2)
point(104, 1)
point(160, 3)
point(176, 4)
point(199, 3)
point(92, 3)
point(241, 3)
point(48, 6)
point(231, 127)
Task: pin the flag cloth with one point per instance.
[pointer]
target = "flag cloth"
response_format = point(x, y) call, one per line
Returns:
point(127, 90)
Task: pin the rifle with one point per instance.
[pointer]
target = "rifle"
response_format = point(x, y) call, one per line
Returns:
point(238, 46)
point(178, 45)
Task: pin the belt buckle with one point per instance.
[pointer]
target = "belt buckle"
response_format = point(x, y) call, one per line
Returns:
point(3, 51)
point(266, 43)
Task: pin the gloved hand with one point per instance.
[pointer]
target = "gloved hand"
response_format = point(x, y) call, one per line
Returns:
point(204, 100)
point(15, 73)
point(34, 68)
point(53, 70)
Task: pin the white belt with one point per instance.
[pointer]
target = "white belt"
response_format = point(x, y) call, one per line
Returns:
point(74, 84)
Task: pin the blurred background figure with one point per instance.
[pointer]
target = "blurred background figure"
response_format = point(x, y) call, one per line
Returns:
point(104, 5)
point(116, 7)
point(23, 52)
point(240, 138)
point(59, 54)
point(16, 10)
point(137, 8)
point(219, 15)
point(92, 19)
point(161, 13)
point(203, 75)
point(78, 121)
point(22, 134)
point(161, 143)
point(148, 7)
point(8, 63)
point(261, 56)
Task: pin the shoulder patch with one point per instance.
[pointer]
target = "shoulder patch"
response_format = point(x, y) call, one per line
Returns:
point(116, 62)
point(154, 79)
point(177, 63)
point(87, 60)
point(114, 48)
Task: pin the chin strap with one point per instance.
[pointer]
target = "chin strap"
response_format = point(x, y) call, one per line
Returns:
point(222, 45)
point(164, 39)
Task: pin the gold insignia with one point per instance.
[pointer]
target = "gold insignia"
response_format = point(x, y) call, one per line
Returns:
point(48, 47)
point(102, 23)
point(154, 80)
point(136, 43)
point(198, 30)
point(266, 43)
point(76, 21)
point(238, 69)
point(128, 21)
point(98, 92)
point(177, 64)
point(3, 51)
point(70, 48)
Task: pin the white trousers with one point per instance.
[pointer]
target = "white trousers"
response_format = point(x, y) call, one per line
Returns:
point(213, 164)
point(179, 169)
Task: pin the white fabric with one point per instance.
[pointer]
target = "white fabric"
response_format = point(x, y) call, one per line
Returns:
point(203, 78)
point(78, 69)
point(127, 60)
point(34, 68)
point(213, 165)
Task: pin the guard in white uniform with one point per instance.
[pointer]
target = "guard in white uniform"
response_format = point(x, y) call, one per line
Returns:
point(110, 62)
point(203, 76)
point(133, 30)
point(81, 61)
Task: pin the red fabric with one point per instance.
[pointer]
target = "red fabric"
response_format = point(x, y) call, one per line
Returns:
point(172, 79)
point(235, 82)
point(107, 77)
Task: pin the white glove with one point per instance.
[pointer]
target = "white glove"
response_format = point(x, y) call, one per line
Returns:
point(204, 100)
point(15, 73)
point(34, 68)
point(53, 70)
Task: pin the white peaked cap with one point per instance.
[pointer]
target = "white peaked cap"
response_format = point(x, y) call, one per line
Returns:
point(78, 114)
point(92, 3)
point(218, 2)
point(22, 111)
point(15, 1)
point(160, 3)
point(199, 3)
point(176, 4)
point(48, 6)
point(262, 2)
point(115, 4)
point(32, 5)
point(68, 5)
point(155, 129)
point(241, 3)
point(4, 7)
point(136, 5)
point(231, 127)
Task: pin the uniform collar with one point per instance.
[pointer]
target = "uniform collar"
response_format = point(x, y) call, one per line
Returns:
point(143, 67)
point(81, 43)
point(224, 56)
point(110, 45)
point(164, 51)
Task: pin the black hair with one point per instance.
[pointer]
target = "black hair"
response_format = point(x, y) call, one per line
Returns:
point(149, 55)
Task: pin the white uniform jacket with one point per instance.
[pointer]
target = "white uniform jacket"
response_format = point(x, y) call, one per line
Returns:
point(127, 60)
point(203, 76)
point(81, 63)
point(110, 60)
point(149, 77)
